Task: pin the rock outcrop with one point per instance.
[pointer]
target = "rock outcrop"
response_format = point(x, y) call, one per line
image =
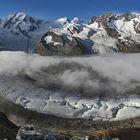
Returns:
point(8, 130)
point(54, 44)
point(107, 33)
point(124, 28)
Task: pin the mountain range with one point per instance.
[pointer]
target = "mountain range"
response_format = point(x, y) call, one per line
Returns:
point(106, 33)
point(72, 94)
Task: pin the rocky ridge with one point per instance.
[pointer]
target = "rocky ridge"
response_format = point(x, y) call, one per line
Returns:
point(107, 33)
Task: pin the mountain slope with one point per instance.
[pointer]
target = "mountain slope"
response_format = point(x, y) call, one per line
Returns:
point(123, 28)
point(25, 29)
point(20, 24)
point(101, 87)
point(107, 33)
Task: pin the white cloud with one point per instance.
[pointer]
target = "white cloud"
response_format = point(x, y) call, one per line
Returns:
point(108, 74)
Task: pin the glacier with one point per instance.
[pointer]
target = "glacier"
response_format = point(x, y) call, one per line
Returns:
point(22, 78)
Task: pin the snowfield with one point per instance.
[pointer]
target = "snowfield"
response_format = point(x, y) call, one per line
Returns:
point(101, 87)
point(21, 32)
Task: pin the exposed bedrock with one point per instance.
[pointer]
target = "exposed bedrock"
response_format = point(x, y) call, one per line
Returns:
point(21, 116)
point(54, 44)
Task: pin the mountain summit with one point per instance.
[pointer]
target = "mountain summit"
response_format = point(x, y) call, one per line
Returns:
point(20, 24)
point(107, 33)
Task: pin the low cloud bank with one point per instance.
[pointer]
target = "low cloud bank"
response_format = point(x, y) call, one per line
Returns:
point(102, 75)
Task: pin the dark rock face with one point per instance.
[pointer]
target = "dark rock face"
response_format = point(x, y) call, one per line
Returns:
point(137, 27)
point(128, 46)
point(55, 128)
point(7, 128)
point(62, 45)
point(103, 21)
point(31, 132)
point(111, 33)
point(72, 37)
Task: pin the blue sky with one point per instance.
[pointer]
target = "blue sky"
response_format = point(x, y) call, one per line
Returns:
point(54, 9)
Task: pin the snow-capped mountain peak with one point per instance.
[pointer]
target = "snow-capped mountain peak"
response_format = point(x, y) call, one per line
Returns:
point(76, 20)
point(13, 19)
point(107, 33)
point(63, 21)
point(20, 24)
point(20, 16)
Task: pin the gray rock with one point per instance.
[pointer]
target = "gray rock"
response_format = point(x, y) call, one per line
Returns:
point(61, 45)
